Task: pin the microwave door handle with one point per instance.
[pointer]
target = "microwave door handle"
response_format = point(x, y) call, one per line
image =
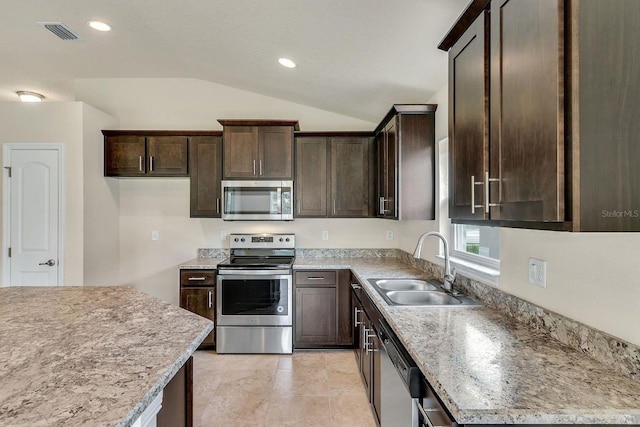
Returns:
point(279, 200)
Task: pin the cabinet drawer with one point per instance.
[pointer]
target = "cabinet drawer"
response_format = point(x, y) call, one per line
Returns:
point(197, 277)
point(316, 277)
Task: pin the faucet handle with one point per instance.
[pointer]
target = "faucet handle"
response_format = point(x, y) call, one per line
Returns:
point(453, 274)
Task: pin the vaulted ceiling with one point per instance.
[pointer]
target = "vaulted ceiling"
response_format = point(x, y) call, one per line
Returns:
point(355, 57)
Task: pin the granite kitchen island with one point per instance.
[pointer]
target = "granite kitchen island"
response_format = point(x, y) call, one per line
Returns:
point(89, 355)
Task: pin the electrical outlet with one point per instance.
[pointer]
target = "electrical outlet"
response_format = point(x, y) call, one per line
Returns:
point(389, 235)
point(325, 235)
point(155, 235)
point(223, 235)
point(538, 272)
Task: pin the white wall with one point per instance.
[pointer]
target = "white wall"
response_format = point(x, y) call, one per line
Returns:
point(59, 123)
point(101, 204)
point(198, 104)
point(91, 214)
point(162, 204)
point(593, 278)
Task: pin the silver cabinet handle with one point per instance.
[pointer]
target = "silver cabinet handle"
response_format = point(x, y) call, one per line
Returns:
point(150, 163)
point(382, 202)
point(356, 322)
point(50, 263)
point(140, 163)
point(356, 286)
point(315, 278)
point(254, 168)
point(368, 343)
point(260, 163)
point(196, 279)
point(218, 205)
point(210, 299)
point(334, 206)
point(473, 194)
point(298, 206)
point(487, 180)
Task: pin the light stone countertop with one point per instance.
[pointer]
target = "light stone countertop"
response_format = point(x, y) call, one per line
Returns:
point(201, 264)
point(490, 369)
point(88, 355)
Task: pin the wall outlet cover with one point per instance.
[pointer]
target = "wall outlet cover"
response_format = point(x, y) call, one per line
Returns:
point(223, 235)
point(325, 235)
point(389, 235)
point(155, 235)
point(538, 272)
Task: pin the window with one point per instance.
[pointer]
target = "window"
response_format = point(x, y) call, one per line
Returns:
point(477, 241)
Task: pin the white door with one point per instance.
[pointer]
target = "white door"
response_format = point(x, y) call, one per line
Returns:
point(34, 215)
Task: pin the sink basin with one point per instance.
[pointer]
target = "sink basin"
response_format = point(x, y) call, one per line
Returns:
point(416, 292)
point(404, 285)
point(422, 298)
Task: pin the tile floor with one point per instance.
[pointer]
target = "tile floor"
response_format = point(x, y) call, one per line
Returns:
point(305, 389)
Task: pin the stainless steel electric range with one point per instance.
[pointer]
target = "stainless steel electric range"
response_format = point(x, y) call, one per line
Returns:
point(254, 295)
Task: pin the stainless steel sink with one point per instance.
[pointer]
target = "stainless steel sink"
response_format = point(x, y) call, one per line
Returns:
point(422, 298)
point(404, 285)
point(417, 292)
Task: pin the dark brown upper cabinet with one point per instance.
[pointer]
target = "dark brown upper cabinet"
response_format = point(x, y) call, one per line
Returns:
point(258, 149)
point(334, 174)
point(469, 121)
point(555, 139)
point(205, 162)
point(405, 145)
point(145, 153)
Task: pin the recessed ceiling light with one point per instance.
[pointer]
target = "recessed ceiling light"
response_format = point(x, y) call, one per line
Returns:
point(286, 62)
point(100, 26)
point(26, 96)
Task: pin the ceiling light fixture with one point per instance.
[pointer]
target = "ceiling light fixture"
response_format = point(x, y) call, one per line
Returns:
point(26, 96)
point(286, 62)
point(100, 26)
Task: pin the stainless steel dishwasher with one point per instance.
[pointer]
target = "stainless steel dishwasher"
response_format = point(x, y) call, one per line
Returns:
point(401, 382)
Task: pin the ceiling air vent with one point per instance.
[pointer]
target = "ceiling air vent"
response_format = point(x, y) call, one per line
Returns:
point(60, 30)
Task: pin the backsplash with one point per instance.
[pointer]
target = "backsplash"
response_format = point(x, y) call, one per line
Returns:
point(618, 354)
point(213, 253)
point(347, 253)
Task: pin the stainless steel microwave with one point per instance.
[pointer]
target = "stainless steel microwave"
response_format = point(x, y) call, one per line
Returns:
point(257, 200)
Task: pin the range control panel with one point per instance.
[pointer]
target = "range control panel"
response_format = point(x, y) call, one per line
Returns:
point(268, 241)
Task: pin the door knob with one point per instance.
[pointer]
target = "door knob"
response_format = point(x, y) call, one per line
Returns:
point(50, 263)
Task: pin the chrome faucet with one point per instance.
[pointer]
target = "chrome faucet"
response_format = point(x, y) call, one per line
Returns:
point(449, 274)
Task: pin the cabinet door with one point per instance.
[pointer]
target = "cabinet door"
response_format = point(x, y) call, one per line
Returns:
point(200, 301)
point(527, 109)
point(469, 122)
point(311, 177)
point(391, 167)
point(205, 159)
point(381, 181)
point(124, 156)
point(240, 152)
point(316, 318)
point(366, 351)
point(167, 155)
point(275, 152)
point(345, 318)
point(349, 177)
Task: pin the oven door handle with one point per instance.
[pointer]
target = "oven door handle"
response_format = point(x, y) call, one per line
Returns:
point(253, 274)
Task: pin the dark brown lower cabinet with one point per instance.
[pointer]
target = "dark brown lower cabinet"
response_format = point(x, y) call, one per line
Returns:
point(198, 295)
point(316, 319)
point(177, 399)
point(367, 345)
point(323, 309)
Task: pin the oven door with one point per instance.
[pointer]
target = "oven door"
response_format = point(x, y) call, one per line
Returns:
point(257, 200)
point(254, 298)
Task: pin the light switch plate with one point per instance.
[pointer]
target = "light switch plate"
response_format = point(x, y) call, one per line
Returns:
point(325, 235)
point(538, 272)
point(155, 235)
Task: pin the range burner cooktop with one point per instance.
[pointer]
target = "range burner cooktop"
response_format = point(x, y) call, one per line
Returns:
point(260, 251)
